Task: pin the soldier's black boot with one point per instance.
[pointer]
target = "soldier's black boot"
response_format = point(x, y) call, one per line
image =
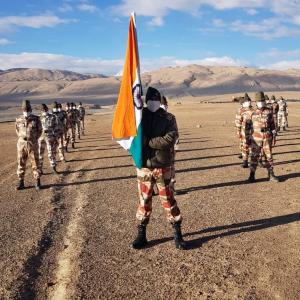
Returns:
point(245, 164)
point(54, 171)
point(272, 177)
point(66, 148)
point(38, 184)
point(141, 240)
point(179, 242)
point(240, 156)
point(251, 177)
point(20, 185)
point(73, 145)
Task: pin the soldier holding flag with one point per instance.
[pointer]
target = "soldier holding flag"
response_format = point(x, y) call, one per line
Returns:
point(149, 134)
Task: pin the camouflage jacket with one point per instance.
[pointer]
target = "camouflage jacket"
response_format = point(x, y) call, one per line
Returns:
point(71, 118)
point(62, 117)
point(243, 118)
point(262, 124)
point(81, 113)
point(28, 128)
point(51, 125)
point(282, 106)
point(160, 133)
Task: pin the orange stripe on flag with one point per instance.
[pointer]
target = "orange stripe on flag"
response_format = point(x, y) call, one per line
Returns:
point(124, 125)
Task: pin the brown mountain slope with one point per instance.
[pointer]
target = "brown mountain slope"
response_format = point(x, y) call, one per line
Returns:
point(193, 80)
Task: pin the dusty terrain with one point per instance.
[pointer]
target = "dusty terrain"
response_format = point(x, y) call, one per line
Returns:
point(71, 239)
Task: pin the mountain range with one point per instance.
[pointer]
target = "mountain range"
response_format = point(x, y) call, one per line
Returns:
point(174, 82)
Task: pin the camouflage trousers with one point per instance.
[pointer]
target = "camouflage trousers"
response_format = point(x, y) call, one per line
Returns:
point(282, 120)
point(51, 143)
point(244, 148)
point(28, 149)
point(70, 135)
point(82, 126)
point(261, 148)
point(78, 126)
point(147, 178)
point(61, 148)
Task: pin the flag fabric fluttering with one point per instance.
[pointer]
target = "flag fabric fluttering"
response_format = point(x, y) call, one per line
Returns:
point(126, 127)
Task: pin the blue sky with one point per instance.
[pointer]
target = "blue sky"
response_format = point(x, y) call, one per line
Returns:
point(90, 36)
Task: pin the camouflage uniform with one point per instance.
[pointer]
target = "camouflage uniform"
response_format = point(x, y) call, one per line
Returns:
point(237, 124)
point(49, 137)
point(81, 110)
point(62, 116)
point(242, 122)
point(70, 127)
point(261, 128)
point(77, 118)
point(282, 114)
point(160, 133)
point(28, 130)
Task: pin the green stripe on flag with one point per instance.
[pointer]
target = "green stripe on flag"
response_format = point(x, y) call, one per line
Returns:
point(136, 148)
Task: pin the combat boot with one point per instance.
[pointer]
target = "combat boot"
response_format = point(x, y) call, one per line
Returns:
point(245, 164)
point(66, 148)
point(141, 240)
point(240, 156)
point(251, 178)
point(54, 171)
point(179, 242)
point(283, 128)
point(20, 185)
point(272, 177)
point(73, 145)
point(38, 184)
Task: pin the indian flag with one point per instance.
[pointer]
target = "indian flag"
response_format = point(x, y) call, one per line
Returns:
point(126, 127)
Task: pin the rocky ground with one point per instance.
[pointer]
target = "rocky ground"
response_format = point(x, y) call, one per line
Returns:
point(71, 239)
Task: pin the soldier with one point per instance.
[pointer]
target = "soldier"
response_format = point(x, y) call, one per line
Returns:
point(261, 128)
point(49, 137)
point(81, 117)
point(77, 116)
point(70, 126)
point(28, 129)
point(282, 114)
point(159, 135)
point(237, 125)
point(243, 121)
point(61, 115)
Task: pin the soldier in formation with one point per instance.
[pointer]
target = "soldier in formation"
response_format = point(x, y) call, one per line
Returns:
point(261, 130)
point(61, 116)
point(242, 123)
point(71, 122)
point(282, 114)
point(50, 135)
point(28, 129)
point(159, 135)
point(81, 110)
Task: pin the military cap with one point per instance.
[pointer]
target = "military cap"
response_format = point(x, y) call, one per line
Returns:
point(80, 103)
point(43, 107)
point(267, 97)
point(59, 105)
point(241, 100)
point(273, 97)
point(152, 94)
point(281, 98)
point(260, 96)
point(246, 97)
point(55, 104)
point(26, 104)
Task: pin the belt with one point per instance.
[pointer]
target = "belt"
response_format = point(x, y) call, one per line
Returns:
point(265, 130)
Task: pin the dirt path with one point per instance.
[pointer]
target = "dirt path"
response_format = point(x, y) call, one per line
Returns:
point(71, 239)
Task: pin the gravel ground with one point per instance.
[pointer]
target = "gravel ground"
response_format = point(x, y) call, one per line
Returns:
point(71, 239)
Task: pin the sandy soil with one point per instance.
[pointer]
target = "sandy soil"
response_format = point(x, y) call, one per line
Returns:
point(71, 239)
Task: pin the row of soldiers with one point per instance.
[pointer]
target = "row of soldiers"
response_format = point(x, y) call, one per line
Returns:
point(257, 129)
point(52, 130)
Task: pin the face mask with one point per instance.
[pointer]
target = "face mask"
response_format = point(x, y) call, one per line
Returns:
point(44, 114)
point(54, 109)
point(260, 104)
point(73, 107)
point(153, 106)
point(59, 109)
point(246, 104)
point(26, 113)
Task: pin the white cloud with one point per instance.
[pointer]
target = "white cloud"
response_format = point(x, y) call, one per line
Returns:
point(38, 21)
point(274, 53)
point(88, 8)
point(284, 65)
point(65, 7)
point(4, 42)
point(251, 12)
point(107, 67)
